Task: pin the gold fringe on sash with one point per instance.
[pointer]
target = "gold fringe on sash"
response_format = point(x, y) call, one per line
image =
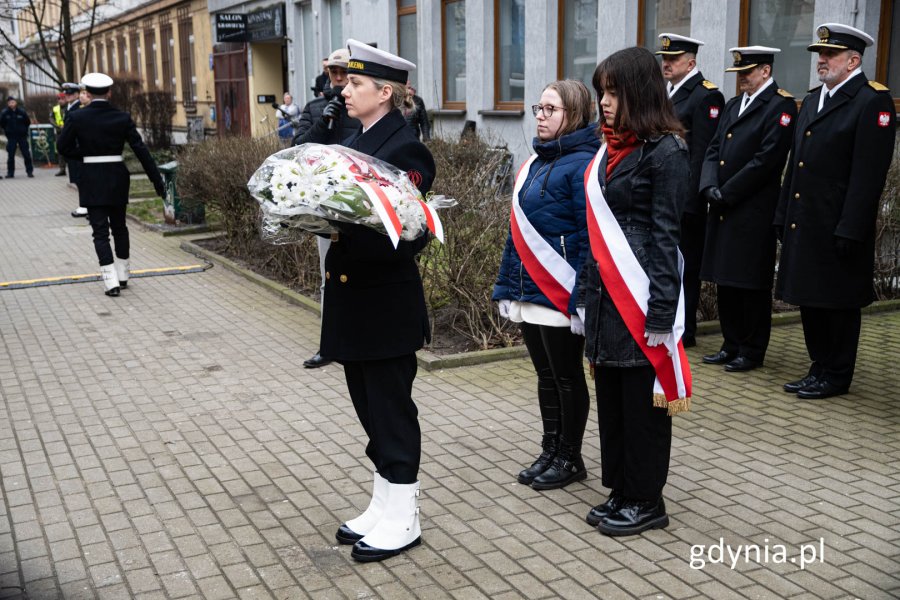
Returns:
point(674, 407)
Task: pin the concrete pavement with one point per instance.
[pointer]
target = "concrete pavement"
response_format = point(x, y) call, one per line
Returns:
point(168, 444)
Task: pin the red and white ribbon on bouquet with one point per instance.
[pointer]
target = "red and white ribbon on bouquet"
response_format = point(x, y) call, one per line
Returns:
point(629, 287)
point(552, 273)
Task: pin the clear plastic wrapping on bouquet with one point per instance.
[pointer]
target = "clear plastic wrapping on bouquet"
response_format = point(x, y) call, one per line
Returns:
point(307, 187)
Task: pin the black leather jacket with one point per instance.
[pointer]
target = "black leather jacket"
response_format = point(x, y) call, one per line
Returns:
point(646, 193)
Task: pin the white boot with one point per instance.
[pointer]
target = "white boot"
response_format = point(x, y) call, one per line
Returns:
point(353, 530)
point(398, 529)
point(122, 271)
point(110, 279)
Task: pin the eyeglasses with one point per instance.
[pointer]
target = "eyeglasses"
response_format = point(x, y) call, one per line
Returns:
point(547, 110)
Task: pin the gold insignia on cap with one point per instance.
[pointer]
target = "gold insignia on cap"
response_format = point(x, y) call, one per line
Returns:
point(355, 64)
point(666, 42)
point(823, 34)
point(737, 56)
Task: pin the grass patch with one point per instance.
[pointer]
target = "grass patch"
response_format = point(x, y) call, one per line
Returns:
point(148, 211)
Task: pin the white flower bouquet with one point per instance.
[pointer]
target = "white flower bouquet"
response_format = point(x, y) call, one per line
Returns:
point(307, 187)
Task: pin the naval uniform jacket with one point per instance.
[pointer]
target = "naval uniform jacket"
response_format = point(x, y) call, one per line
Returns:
point(374, 302)
point(100, 129)
point(745, 161)
point(698, 104)
point(832, 187)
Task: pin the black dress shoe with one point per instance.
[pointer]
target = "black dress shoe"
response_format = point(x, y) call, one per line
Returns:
point(820, 389)
point(792, 387)
point(315, 361)
point(719, 358)
point(113, 292)
point(31, 174)
point(345, 535)
point(689, 342)
point(742, 363)
point(635, 517)
point(363, 552)
point(599, 512)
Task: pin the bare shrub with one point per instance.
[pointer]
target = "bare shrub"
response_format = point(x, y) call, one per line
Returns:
point(887, 234)
point(154, 111)
point(124, 94)
point(459, 275)
point(39, 107)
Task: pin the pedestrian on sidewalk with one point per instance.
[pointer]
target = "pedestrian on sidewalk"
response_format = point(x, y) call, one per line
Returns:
point(16, 123)
point(374, 316)
point(73, 103)
point(57, 119)
point(96, 135)
point(548, 235)
point(828, 208)
point(631, 290)
point(325, 120)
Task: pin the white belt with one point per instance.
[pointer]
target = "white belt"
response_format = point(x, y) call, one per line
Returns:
point(103, 159)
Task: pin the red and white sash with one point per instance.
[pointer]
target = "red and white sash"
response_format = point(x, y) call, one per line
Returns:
point(553, 275)
point(629, 287)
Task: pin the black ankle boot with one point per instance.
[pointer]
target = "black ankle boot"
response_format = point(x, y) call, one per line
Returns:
point(543, 461)
point(567, 467)
point(599, 512)
point(634, 517)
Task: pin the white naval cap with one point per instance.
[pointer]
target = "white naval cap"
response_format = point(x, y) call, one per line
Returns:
point(97, 83)
point(841, 37)
point(672, 43)
point(371, 61)
point(747, 57)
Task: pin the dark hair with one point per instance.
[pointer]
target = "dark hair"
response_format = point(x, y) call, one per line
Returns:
point(644, 107)
point(576, 101)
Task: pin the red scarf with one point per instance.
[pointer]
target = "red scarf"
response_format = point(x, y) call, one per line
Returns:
point(618, 146)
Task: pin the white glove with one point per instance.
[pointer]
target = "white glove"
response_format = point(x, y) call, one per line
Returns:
point(577, 325)
point(580, 311)
point(655, 339)
point(503, 306)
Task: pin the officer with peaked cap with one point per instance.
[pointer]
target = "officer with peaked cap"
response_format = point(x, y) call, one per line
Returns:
point(698, 103)
point(374, 317)
point(73, 103)
point(841, 152)
point(96, 135)
point(741, 182)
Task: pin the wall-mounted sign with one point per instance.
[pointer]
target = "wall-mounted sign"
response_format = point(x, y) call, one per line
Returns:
point(258, 26)
point(265, 98)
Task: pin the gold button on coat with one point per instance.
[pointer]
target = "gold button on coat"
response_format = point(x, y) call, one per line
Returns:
point(808, 133)
point(327, 275)
point(797, 196)
point(793, 226)
point(728, 136)
point(343, 279)
point(721, 163)
point(721, 217)
point(800, 164)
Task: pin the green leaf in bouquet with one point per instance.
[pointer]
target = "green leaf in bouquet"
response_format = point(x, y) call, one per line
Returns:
point(351, 203)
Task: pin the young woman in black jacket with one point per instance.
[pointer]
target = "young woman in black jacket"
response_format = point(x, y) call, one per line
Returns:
point(643, 179)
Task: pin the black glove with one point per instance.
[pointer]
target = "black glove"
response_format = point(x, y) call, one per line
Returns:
point(713, 196)
point(845, 247)
point(779, 232)
point(332, 110)
point(160, 188)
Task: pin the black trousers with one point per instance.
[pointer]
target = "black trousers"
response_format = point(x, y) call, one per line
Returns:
point(381, 391)
point(22, 144)
point(104, 219)
point(832, 339)
point(746, 319)
point(635, 436)
point(693, 236)
point(558, 358)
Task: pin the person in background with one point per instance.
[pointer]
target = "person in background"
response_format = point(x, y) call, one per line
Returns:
point(830, 197)
point(322, 80)
point(630, 288)
point(698, 104)
point(73, 93)
point(15, 123)
point(97, 134)
point(325, 121)
point(741, 182)
point(374, 317)
point(57, 119)
point(548, 234)
point(288, 114)
point(416, 115)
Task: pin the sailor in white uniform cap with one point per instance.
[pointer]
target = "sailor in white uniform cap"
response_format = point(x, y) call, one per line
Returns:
point(366, 276)
point(96, 135)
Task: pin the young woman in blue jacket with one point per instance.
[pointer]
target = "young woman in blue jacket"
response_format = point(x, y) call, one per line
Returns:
point(535, 288)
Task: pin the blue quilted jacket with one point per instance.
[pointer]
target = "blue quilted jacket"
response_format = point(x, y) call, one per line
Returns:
point(553, 200)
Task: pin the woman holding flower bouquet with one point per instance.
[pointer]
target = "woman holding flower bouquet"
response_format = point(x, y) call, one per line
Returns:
point(547, 245)
point(374, 316)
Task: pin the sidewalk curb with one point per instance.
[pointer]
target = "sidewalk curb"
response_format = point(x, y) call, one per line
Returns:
point(430, 361)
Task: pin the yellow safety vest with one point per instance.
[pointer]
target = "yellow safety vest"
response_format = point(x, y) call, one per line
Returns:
point(58, 115)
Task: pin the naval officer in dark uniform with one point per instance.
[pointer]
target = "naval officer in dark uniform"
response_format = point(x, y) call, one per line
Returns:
point(841, 152)
point(73, 103)
point(741, 181)
point(96, 135)
point(698, 104)
point(374, 317)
